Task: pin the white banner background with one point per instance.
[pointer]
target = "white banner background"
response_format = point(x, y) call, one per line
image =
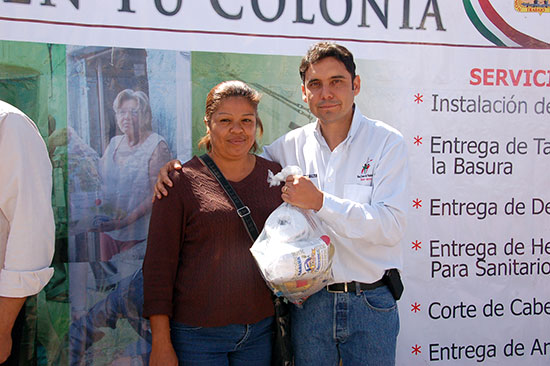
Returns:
point(445, 316)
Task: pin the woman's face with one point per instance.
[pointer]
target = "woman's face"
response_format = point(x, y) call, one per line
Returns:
point(233, 128)
point(127, 116)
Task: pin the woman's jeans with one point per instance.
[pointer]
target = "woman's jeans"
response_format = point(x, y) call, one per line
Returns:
point(359, 328)
point(234, 345)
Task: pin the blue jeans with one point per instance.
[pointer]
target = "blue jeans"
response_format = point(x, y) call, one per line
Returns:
point(358, 328)
point(235, 344)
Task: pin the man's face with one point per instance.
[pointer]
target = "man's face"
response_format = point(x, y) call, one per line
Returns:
point(329, 91)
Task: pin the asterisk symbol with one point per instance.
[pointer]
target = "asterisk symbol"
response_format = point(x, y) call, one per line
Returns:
point(418, 140)
point(416, 245)
point(416, 349)
point(418, 98)
point(415, 307)
point(417, 203)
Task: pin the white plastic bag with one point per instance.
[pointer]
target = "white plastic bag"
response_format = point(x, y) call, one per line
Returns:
point(292, 252)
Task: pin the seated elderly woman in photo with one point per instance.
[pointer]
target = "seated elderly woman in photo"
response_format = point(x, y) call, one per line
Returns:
point(128, 168)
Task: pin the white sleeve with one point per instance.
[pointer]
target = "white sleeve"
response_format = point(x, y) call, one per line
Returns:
point(25, 202)
point(281, 151)
point(382, 222)
point(269, 150)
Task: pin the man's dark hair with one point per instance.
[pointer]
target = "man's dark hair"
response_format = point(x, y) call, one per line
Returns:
point(322, 50)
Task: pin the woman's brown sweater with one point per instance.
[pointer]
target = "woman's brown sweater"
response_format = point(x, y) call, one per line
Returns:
point(198, 268)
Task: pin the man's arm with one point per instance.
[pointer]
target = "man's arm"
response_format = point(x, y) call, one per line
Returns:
point(25, 204)
point(9, 309)
point(380, 222)
point(25, 207)
point(163, 180)
point(383, 221)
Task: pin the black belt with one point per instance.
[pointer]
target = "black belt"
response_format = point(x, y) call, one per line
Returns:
point(352, 286)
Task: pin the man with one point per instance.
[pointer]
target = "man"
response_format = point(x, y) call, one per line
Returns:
point(27, 228)
point(355, 177)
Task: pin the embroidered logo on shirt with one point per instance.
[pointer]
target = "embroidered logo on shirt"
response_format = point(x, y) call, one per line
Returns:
point(365, 175)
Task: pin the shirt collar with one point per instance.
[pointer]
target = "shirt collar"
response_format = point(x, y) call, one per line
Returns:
point(355, 123)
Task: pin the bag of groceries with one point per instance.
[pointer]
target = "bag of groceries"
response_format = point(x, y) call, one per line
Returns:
point(292, 252)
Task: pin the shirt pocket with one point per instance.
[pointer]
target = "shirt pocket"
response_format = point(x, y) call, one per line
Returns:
point(358, 193)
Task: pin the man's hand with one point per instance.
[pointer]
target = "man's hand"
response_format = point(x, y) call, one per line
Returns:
point(300, 191)
point(163, 179)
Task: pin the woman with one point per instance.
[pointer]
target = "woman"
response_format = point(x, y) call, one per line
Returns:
point(204, 295)
point(129, 167)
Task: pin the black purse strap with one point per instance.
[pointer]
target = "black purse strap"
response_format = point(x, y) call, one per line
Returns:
point(242, 210)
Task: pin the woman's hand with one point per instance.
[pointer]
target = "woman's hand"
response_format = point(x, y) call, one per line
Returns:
point(163, 179)
point(162, 351)
point(110, 225)
point(163, 355)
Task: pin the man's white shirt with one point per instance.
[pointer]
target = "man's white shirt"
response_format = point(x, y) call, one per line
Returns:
point(27, 228)
point(364, 181)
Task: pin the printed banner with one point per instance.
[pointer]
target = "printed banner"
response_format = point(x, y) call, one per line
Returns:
point(466, 82)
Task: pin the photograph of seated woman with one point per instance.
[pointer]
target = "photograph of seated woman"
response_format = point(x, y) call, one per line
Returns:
point(128, 169)
point(203, 293)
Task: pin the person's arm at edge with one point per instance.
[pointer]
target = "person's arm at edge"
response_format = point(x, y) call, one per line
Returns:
point(26, 181)
point(25, 166)
point(10, 309)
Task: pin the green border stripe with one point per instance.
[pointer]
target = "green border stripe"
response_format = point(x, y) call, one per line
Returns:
point(479, 25)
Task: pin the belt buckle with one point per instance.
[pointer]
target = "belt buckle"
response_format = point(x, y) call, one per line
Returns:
point(337, 291)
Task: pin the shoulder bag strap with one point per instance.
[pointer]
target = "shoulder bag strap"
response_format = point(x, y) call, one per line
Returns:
point(242, 210)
